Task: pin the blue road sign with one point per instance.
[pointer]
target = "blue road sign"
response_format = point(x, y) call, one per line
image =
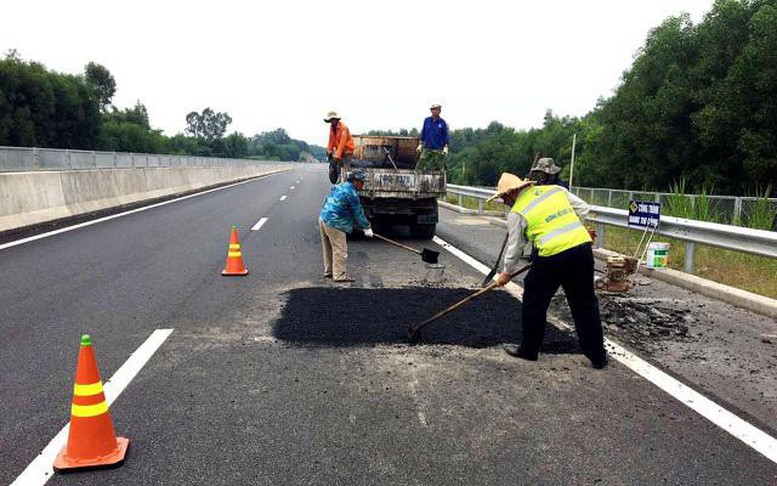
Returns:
point(643, 214)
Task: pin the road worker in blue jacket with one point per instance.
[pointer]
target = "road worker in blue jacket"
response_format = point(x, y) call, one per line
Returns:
point(548, 216)
point(341, 212)
point(433, 141)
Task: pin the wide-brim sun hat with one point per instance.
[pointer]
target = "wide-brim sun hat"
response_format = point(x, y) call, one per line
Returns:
point(546, 165)
point(332, 115)
point(509, 182)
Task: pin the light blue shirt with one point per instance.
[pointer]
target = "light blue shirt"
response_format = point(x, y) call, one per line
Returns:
point(342, 209)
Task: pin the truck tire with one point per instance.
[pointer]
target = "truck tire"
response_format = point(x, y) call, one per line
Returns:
point(423, 231)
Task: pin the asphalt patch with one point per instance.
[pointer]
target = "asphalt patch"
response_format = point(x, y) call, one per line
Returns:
point(358, 317)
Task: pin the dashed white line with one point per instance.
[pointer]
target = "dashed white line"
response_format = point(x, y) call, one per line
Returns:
point(292, 188)
point(283, 197)
point(752, 436)
point(41, 468)
point(132, 211)
point(259, 224)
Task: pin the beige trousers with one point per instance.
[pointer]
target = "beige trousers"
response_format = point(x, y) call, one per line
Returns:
point(335, 249)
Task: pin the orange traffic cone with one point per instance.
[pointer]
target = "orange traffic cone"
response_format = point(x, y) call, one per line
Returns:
point(92, 443)
point(235, 265)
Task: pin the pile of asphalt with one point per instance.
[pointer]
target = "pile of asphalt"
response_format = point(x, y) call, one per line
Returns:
point(358, 317)
point(644, 323)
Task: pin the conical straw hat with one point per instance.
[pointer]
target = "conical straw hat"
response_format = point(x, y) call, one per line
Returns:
point(509, 182)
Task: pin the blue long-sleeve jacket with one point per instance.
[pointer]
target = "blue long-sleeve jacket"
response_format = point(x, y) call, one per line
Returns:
point(434, 134)
point(342, 209)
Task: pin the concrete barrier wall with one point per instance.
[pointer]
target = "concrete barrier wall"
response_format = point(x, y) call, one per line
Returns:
point(30, 198)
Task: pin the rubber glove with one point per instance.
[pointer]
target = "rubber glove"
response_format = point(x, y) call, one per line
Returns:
point(368, 233)
point(445, 150)
point(419, 148)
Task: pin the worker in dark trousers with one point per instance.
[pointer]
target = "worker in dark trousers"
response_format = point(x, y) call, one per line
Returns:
point(549, 218)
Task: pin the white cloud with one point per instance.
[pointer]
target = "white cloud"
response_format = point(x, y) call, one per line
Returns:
point(285, 64)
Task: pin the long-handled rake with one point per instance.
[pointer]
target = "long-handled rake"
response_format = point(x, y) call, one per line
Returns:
point(412, 332)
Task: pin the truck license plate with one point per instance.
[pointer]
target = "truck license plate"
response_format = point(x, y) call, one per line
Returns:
point(396, 181)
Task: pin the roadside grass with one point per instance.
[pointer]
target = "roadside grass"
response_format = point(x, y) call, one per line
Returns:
point(753, 273)
point(472, 203)
point(761, 214)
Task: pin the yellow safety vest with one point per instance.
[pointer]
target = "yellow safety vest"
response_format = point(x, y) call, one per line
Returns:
point(551, 223)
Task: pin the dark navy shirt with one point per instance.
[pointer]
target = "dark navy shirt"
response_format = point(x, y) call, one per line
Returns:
point(434, 134)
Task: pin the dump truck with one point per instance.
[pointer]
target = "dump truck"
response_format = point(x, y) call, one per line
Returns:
point(394, 192)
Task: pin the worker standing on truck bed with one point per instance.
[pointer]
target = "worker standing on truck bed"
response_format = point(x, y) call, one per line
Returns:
point(549, 217)
point(433, 144)
point(341, 210)
point(340, 148)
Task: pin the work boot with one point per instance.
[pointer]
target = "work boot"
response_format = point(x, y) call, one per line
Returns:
point(327, 275)
point(598, 360)
point(599, 363)
point(344, 280)
point(518, 352)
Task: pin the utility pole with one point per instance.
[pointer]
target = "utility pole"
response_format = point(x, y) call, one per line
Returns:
point(572, 163)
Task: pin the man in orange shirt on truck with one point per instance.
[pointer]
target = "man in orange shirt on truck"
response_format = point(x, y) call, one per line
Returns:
point(340, 148)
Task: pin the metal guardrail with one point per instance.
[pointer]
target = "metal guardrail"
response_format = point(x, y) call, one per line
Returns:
point(737, 238)
point(726, 209)
point(481, 193)
point(16, 159)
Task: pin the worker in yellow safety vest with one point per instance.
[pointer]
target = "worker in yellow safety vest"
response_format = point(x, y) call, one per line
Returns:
point(549, 217)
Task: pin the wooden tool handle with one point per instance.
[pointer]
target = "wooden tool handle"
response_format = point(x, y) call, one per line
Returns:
point(376, 235)
point(458, 304)
point(414, 331)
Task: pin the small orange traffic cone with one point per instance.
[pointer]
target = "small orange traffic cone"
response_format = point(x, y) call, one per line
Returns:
point(92, 443)
point(235, 266)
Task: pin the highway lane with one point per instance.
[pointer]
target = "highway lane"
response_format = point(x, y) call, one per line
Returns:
point(280, 377)
point(118, 281)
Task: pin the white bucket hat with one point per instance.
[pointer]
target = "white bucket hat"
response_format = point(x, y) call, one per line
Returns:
point(332, 115)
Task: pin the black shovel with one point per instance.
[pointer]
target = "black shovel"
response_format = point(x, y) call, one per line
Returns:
point(491, 274)
point(427, 255)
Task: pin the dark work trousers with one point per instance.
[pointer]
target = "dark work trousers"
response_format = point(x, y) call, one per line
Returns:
point(573, 270)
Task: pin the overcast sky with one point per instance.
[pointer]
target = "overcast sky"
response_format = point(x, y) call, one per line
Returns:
point(285, 63)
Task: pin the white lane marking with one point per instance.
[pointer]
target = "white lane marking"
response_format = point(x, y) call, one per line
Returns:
point(40, 470)
point(292, 188)
point(283, 198)
point(259, 224)
point(752, 436)
point(132, 211)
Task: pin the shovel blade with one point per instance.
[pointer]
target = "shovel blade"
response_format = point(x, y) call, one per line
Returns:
point(430, 256)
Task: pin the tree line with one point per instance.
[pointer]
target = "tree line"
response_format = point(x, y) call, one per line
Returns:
point(698, 104)
point(44, 108)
